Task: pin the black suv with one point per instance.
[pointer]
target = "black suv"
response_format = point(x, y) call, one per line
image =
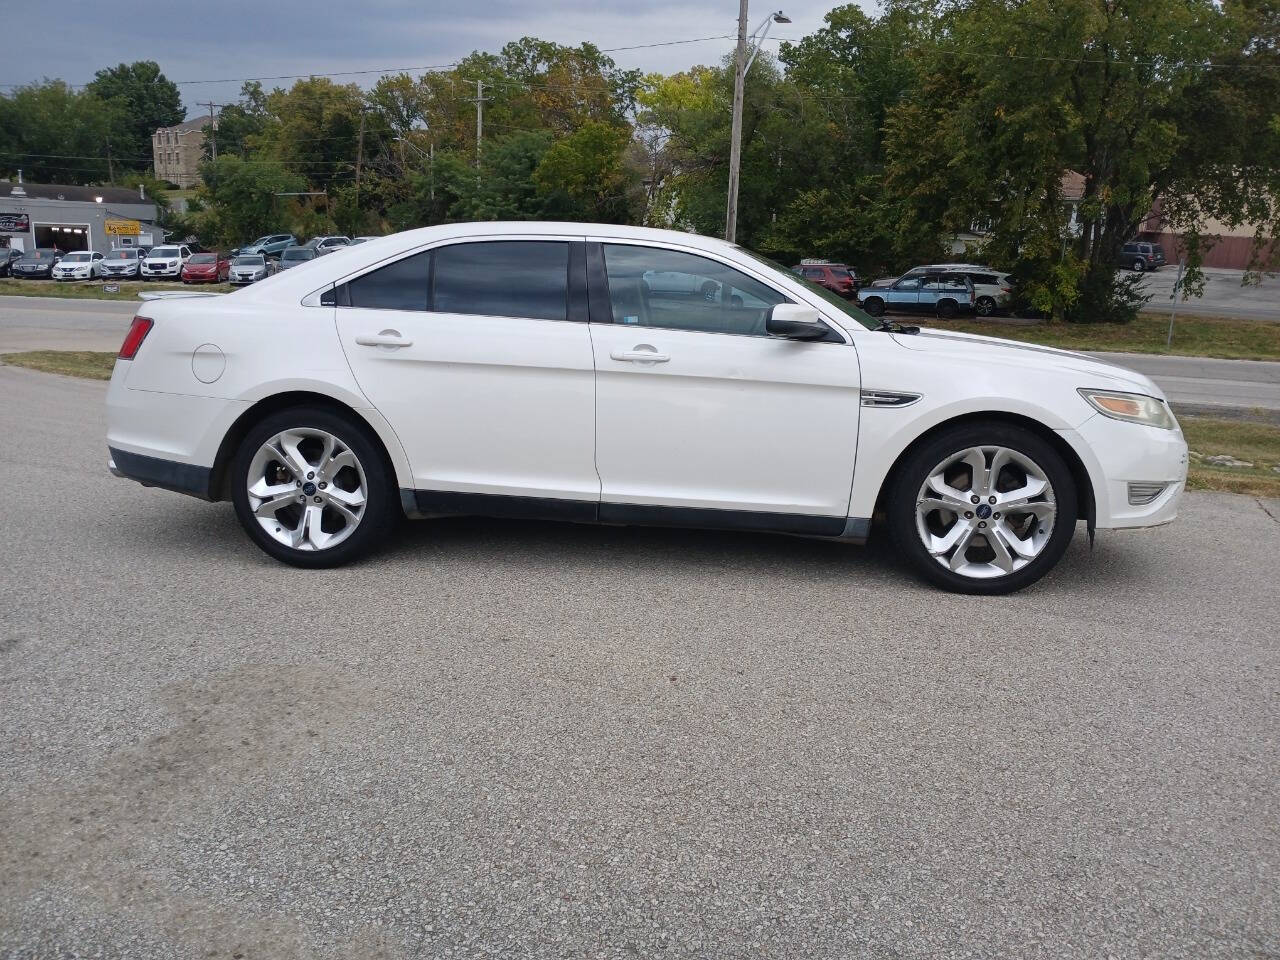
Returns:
point(1139, 256)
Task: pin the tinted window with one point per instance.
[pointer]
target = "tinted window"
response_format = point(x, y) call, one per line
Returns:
point(398, 286)
point(812, 273)
point(982, 278)
point(840, 273)
point(505, 278)
point(652, 287)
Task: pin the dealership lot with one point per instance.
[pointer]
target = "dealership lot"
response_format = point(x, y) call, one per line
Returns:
point(538, 740)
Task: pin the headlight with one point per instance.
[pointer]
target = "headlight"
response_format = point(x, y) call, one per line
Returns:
point(1133, 407)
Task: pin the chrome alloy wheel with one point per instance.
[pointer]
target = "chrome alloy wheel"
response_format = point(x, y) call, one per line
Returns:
point(307, 489)
point(985, 512)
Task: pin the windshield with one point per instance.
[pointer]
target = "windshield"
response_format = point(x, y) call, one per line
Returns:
point(298, 254)
point(77, 258)
point(122, 255)
point(253, 260)
point(844, 306)
point(203, 258)
point(165, 252)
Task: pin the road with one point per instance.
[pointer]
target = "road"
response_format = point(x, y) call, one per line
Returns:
point(1223, 296)
point(521, 739)
point(1205, 385)
point(1192, 383)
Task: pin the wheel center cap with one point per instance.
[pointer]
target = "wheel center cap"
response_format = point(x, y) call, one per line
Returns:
point(983, 511)
point(309, 489)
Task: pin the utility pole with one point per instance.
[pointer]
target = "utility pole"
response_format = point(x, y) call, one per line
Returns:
point(213, 128)
point(735, 141)
point(359, 157)
point(111, 174)
point(480, 99)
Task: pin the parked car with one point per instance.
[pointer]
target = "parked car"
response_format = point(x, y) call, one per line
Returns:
point(165, 261)
point(836, 277)
point(1139, 256)
point(121, 263)
point(773, 406)
point(250, 268)
point(270, 245)
point(292, 256)
point(940, 293)
point(206, 268)
point(991, 288)
point(323, 245)
point(37, 264)
point(8, 257)
point(78, 265)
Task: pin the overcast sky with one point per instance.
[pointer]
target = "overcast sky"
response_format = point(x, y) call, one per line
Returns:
point(231, 39)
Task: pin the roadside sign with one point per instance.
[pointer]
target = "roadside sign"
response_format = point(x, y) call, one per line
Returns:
point(15, 222)
point(111, 288)
point(121, 228)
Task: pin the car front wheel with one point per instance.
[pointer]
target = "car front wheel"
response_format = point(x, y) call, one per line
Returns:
point(1139, 266)
point(983, 508)
point(311, 488)
point(874, 306)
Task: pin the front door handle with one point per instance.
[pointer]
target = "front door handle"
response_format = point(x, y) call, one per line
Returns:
point(387, 338)
point(641, 354)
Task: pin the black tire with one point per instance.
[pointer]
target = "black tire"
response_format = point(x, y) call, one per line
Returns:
point(914, 471)
point(1139, 266)
point(985, 307)
point(874, 306)
point(382, 505)
point(947, 309)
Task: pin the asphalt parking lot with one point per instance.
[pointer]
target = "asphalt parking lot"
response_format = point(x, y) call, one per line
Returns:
point(531, 740)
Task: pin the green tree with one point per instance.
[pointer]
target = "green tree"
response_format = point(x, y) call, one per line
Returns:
point(54, 134)
point(146, 100)
point(239, 200)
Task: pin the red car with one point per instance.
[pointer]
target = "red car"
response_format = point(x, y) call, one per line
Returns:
point(836, 277)
point(206, 268)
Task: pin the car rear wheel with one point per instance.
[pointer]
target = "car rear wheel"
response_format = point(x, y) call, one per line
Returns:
point(311, 488)
point(1139, 266)
point(985, 306)
point(874, 306)
point(947, 309)
point(983, 508)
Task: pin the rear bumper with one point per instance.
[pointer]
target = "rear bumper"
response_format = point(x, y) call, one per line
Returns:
point(154, 472)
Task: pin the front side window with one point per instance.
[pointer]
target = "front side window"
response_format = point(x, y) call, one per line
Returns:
point(503, 278)
point(652, 287)
point(908, 283)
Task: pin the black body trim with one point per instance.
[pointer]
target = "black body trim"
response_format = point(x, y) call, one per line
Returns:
point(647, 515)
point(443, 503)
point(578, 306)
point(601, 307)
point(169, 474)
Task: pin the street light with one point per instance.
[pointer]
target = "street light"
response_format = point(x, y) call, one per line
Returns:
point(742, 63)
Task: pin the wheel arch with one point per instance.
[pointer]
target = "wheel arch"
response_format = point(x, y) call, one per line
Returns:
point(220, 480)
point(1085, 500)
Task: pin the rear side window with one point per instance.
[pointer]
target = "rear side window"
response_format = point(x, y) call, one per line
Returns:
point(813, 273)
point(402, 285)
point(982, 278)
point(503, 278)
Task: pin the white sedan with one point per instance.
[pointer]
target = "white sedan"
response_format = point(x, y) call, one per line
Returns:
point(81, 265)
point(533, 370)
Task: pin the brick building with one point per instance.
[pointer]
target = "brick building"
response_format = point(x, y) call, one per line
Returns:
point(177, 151)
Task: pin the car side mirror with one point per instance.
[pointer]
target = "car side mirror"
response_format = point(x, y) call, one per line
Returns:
point(794, 321)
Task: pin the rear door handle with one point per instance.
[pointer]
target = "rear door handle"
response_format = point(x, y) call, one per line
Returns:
point(640, 355)
point(387, 338)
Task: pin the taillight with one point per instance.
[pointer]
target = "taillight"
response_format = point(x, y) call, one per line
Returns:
point(138, 331)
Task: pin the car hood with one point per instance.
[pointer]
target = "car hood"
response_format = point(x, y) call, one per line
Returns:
point(972, 348)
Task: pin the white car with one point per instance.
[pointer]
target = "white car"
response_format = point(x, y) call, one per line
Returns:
point(991, 288)
point(400, 379)
point(164, 262)
point(81, 265)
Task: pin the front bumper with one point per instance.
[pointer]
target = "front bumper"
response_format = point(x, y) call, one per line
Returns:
point(1116, 454)
point(161, 271)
